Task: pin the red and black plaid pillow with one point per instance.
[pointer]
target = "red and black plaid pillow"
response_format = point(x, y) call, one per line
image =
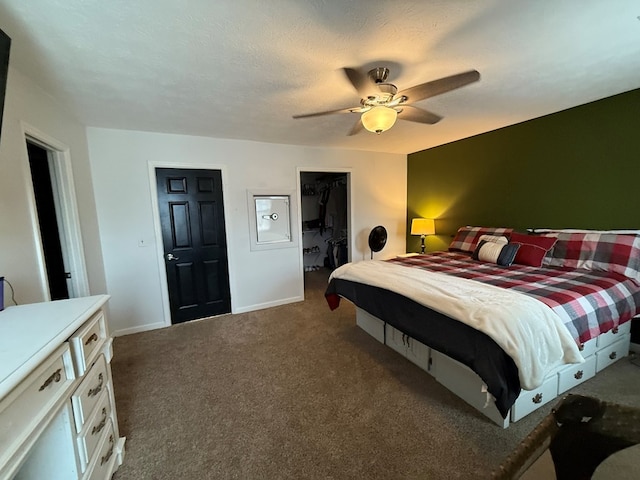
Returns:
point(609, 252)
point(467, 238)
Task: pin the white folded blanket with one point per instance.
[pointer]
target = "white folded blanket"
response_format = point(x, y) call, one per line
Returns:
point(524, 327)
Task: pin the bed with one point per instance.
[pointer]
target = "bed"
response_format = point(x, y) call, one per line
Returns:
point(506, 320)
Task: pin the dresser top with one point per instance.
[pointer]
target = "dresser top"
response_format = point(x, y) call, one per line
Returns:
point(30, 333)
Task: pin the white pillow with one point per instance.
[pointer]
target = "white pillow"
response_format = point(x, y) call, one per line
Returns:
point(490, 251)
point(501, 254)
point(493, 238)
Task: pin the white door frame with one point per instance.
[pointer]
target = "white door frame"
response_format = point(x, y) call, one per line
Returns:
point(66, 207)
point(349, 173)
point(157, 226)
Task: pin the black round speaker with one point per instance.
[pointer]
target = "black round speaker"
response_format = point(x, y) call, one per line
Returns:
point(377, 239)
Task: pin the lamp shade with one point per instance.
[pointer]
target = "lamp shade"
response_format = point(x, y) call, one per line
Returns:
point(423, 226)
point(379, 119)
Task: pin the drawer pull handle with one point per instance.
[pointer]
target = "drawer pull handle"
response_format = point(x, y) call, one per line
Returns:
point(578, 375)
point(55, 377)
point(615, 330)
point(94, 391)
point(537, 398)
point(98, 428)
point(92, 338)
point(581, 347)
point(105, 458)
point(613, 355)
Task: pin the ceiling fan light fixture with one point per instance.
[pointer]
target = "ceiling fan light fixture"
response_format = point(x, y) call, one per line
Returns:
point(379, 119)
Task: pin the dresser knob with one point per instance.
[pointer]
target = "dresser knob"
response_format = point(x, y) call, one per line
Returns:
point(537, 398)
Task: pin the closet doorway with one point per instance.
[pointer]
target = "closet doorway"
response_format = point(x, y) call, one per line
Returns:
point(326, 224)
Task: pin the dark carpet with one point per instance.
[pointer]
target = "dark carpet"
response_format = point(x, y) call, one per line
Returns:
point(299, 392)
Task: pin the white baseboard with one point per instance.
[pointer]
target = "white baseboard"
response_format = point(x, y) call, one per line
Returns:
point(634, 347)
point(260, 306)
point(141, 328)
point(249, 308)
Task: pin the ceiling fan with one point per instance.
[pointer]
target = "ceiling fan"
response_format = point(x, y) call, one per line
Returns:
point(381, 103)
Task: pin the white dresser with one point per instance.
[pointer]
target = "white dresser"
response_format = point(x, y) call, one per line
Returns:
point(57, 410)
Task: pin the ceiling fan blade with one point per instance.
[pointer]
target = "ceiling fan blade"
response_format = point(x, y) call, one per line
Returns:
point(437, 87)
point(328, 112)
point(415, 114)
point(362, 83)
point(357, 128)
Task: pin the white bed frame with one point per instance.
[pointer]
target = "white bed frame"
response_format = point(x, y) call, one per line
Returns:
point(599, 353)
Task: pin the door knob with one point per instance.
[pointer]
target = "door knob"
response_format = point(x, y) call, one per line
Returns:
point(171, 256)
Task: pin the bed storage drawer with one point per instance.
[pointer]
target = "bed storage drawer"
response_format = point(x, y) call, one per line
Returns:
point(589, 347)
point(576, 374)
point(466, 384)
point(614, 335)
point(419, 354)
point(370, 324)
point(530, 400)
point(612, 353)
point(408, 347)
point(395, 339)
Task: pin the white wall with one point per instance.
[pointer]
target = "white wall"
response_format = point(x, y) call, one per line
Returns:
point(120, 162)
point(26, 103)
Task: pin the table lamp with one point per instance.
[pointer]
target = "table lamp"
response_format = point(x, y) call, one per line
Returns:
point(422, 227)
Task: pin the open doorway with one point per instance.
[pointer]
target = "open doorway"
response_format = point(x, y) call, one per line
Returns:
point(325, 224)
point(55, 217)
point(43, 190)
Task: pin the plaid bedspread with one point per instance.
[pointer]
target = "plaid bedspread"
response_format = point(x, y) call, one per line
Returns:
point(588, 302)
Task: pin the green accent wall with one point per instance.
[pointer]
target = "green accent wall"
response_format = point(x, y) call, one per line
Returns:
point(578, 168)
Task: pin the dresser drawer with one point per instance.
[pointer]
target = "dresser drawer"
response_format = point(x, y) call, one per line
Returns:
point(530, 400)
point(576, 374)
point(87, 395)
point(93, 429)
point(87, 341)
point(612, 353)
point(613, 335)
point(105, 455)
point(25, 407)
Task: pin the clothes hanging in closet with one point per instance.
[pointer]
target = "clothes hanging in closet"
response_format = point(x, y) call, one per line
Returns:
point(322, 208)
point(336, 210)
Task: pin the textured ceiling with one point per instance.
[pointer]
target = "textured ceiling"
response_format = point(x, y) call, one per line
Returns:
point(240, 68)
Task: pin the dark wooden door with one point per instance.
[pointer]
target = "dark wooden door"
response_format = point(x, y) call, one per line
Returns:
point(195, 247)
